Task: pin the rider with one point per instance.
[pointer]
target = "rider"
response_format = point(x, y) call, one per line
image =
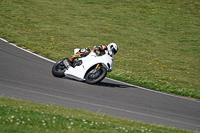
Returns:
point(100, 50)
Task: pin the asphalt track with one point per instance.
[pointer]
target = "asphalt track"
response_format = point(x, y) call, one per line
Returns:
point(28, 77)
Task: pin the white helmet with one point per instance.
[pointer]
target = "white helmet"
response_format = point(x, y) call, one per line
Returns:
point(112, 47)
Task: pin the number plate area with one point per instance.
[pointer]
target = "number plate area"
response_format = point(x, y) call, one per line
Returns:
point(66, 64)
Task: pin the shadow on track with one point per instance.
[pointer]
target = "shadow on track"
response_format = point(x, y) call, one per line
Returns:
point(106, 84)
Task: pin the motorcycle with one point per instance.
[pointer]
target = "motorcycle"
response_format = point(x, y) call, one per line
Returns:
point(92, 69)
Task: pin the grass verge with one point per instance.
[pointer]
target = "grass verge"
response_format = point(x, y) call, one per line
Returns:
point(24, 116)
point(158, 40)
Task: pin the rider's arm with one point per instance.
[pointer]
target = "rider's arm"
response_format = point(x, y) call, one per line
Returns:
point(103, 47)
point(99, 49)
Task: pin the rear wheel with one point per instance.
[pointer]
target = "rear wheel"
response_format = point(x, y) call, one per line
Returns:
point(59, 69)
point(95, 76)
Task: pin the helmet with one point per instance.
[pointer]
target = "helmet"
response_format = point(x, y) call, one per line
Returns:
point(112, 47)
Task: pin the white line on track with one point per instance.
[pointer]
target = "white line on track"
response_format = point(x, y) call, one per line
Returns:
point(44, 58)
point(99, 105)
point(3, 40)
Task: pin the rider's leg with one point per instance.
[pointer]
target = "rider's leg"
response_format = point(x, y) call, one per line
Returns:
point(74, 57)
point(81, 53)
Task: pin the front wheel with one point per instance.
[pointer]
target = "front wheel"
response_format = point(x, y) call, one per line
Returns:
point(59, 69)
point(95, 76)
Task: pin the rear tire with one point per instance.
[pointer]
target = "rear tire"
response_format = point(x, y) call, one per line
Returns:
point(59, 69)
point(91, 78)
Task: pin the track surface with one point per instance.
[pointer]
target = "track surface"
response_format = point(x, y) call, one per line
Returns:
point(25, 76)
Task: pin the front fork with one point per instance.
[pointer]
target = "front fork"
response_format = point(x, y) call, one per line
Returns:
point(96, 69)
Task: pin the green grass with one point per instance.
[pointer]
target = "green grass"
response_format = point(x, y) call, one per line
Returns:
point(29, 117)
point(159, 40)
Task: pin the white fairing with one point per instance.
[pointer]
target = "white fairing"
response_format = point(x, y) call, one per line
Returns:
point(89, 61)
point(76, 50)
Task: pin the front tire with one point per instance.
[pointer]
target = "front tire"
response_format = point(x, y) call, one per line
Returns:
point(59, 69)
point(92, 78)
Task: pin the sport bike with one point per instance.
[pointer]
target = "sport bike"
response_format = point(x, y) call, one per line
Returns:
point(92, 68)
